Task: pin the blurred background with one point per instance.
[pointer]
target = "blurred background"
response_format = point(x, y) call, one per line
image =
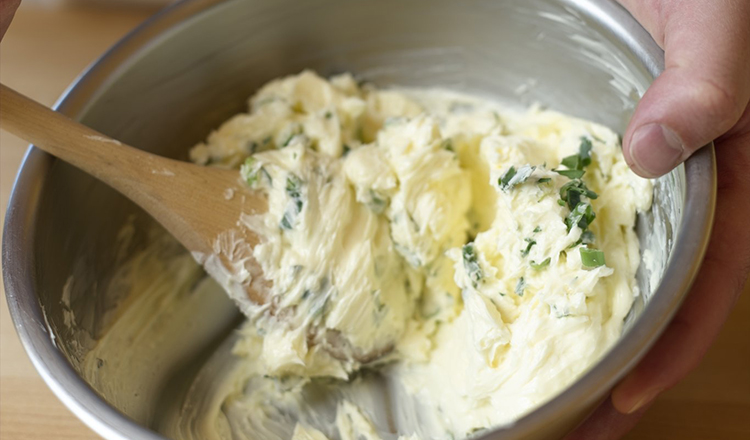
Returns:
point(50, 42)
point(154, 4)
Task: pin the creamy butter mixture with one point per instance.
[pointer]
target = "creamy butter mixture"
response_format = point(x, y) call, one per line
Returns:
point(489, 254)
point(439, 264)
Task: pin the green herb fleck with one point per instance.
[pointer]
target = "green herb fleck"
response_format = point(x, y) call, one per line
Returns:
point(582, 216)
point(538, 229)
point(471, 264)
point(288, 140)
point(573, 162)
point(295, 129)
point(577, 162)
point(540, 266)
point(531, 242)
point(285, 222)
point(347, 150)
point(514, 177)
point(294, 192)
point(267, 175)
point(504, 181)
point(544, 180)
point(584, 151)
point(377, 203)
point(251, 175)
point(447, 144)
point(319, 308)
point(592, 257)
point(571, 174)
point(572, 191)
point(293, 187)
point(520, 286)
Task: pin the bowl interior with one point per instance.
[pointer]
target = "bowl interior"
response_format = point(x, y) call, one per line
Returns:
point(585, 58)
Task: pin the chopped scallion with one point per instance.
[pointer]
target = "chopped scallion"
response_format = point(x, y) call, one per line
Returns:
point(582, 216)
point(571, 174)
point(514, 177)
point(592, 257)
point(531, 242)
point(542, 265)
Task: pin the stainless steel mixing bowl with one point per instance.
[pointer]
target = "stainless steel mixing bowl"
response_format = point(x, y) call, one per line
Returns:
point(193, 65)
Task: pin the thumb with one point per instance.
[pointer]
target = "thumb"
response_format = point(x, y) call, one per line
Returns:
point(705, 87)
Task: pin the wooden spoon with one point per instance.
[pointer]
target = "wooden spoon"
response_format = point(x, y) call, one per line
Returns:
point(200, 206)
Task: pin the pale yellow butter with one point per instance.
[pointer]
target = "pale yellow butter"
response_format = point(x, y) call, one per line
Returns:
point(372, 197)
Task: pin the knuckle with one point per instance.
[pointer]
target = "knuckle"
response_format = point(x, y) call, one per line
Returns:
point(719, 105)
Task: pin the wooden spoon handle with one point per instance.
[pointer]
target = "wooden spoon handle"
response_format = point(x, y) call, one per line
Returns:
point(187, 199)
point(99, 155)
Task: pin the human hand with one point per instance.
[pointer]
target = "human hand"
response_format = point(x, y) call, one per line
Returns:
point(702, 95)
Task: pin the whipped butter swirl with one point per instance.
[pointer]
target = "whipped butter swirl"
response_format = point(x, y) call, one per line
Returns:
point(479, 258)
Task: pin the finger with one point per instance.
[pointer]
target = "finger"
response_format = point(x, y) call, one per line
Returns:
point(704, 89)
point(605, 423)
point(716, 289)
point(7, 10)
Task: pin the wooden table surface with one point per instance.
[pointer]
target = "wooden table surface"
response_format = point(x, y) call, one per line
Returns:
point(46, 48)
